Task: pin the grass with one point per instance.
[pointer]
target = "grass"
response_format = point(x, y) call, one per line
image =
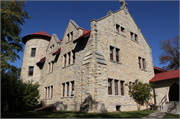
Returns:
point(71, 114)
point(171, 116)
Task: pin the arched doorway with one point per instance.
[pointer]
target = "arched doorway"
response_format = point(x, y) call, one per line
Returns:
point(174, 92)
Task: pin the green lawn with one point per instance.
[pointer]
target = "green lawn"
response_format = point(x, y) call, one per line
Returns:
point(70, 114)
point(171, 116)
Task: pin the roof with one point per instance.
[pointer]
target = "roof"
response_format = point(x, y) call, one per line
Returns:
point(165, 75)
point(159, 69)
point(56, 52)
point(85, 34)
point(41, 60)
point(41, 33)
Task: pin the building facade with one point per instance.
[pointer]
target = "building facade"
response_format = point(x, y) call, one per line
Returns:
point(88, 70)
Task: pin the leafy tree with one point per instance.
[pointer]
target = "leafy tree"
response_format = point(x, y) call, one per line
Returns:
point(17, 95)
point(170, 53)
point(140, 92)
point(13, 15)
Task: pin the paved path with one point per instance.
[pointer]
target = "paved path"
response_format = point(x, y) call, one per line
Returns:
point(155, 115)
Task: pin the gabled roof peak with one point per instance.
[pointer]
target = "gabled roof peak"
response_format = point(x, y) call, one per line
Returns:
point(74, 23)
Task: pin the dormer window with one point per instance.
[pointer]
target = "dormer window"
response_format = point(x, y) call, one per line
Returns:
point(70, 36)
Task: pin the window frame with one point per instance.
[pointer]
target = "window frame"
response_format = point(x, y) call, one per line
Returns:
point(116, 87)
point(111, 53)
point(30, 73)
point(110, 87)
point(122, 87)
point(33, 52)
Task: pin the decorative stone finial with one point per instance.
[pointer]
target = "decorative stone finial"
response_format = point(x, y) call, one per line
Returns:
point(123, 6)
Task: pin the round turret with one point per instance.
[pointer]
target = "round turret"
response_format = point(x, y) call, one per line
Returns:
point(35, 50)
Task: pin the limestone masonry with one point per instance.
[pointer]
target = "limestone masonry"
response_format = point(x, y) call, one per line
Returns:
point(88, 70)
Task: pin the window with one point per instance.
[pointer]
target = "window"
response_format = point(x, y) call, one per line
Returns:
point(31, 68)
point(117, 55)
point(68, 89)
point(131, 35)
point(68, 36)
point(122, 87)
point(110, 86)
point(48, 92)
point(33, 52)
point(73, 57)
point(116, 87)
point(116, 52)
point(117, 28)
point(122, 31)
point(51, 64)
point(118, 107)
point(142, 63)
point(71, 35)
point(65, 60)
point(69, 58)
point(63, 89)
point(111, 52)
point(72, 88)
point(134, 36)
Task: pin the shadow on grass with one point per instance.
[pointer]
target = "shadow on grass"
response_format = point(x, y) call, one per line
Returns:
point(71, 114)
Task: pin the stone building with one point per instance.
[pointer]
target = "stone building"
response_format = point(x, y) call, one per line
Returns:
point(167, 90)
point(88, 70)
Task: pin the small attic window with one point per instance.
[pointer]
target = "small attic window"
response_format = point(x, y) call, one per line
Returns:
point(68, 37)
point(136, 37)
point(131, 33)
point(71, 35)
point(122, 30)
point(117, 28)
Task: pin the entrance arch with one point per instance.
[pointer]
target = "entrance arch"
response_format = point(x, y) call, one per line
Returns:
point(174, 92)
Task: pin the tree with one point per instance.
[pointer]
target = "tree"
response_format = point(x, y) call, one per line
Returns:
point(17, 95)
point(13, 15)
point(170, 53)
point(140, 92)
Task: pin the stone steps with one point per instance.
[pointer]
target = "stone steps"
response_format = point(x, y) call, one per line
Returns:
point(171, 107)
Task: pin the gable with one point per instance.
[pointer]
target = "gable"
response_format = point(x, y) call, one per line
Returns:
point(54, 41)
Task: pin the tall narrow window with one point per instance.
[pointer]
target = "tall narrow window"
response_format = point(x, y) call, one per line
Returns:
point(33, 52)
point(73, 57)
point(51, 91)
point(111, 52)
point(117, 28)
point(122, 87)
point(71, 35)
point(63, 89)
point(49, 67)
point(110, 86)
point(31, 68)
point(52, 64)
point(69, 58)
point(116, 87)
point(67, 88)
point(45, 92)
point(139, 62)
point(143, 61)
point(65, 60)
point(136, 37)
point(117, 55)
point(131, 35)
point(72, 88)
point(122, 31)
point(68, 37)
point(48, 91)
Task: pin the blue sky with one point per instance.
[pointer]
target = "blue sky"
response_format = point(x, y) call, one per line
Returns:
point(158, 20)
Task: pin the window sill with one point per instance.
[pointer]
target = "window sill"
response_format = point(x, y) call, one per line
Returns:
point(67, 97)
point(143, 70)
point(69, 41)
point(49, 73)
point(48, 99)
point(30, 75)
point(121, 34)
point(115, 62)
point(68, 66)
point(135, 41)
point(116, 95)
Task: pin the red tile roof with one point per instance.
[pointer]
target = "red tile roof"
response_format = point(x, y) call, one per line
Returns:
point(86, 33)
point(42, 60)
point(56, 52)
point(165, 75)
point(159, 69)
point(41, 33)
